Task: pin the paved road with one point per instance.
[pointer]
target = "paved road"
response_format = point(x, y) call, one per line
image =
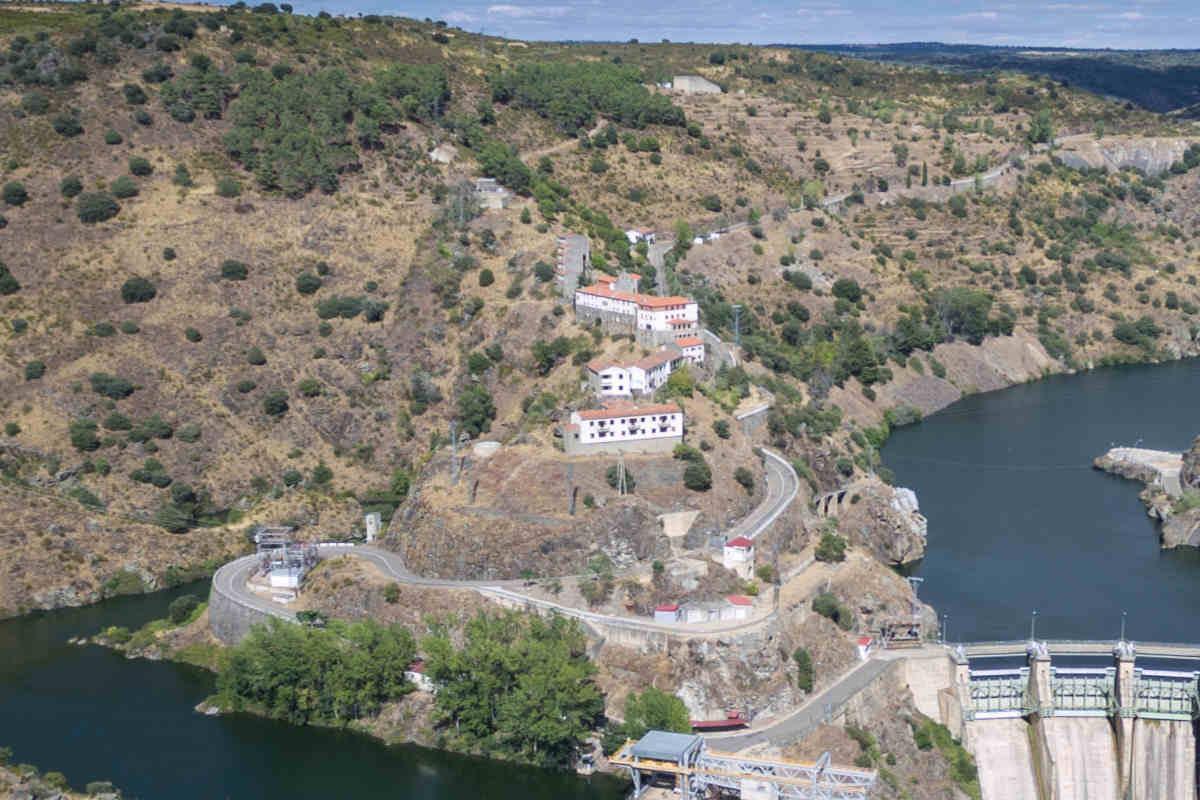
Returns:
point(821, 706)
point(782, 486)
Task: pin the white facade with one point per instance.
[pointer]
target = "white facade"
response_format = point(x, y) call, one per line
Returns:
point(612, 302)
point(692, 348)
point(738, 557)
point(666, 614)
point(668, 316)
point(625, 423)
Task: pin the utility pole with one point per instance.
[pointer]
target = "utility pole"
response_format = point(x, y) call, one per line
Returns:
point(570, 489)
point(621, 489)
point(454, 452)
point(1033, 627)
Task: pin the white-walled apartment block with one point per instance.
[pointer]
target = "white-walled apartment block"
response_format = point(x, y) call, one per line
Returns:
point(621, 427)
point(652, 320)
point(609, 379)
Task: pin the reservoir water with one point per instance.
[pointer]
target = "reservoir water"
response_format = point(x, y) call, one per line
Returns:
point(93, 715)
point(1019, 521)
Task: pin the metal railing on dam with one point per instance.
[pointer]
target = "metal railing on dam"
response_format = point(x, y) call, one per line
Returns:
point(1122, 690)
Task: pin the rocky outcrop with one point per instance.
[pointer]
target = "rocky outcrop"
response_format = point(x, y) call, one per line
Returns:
point(885, 519)
point(1182, 530)
point(1189, 472)
point(1151, 155)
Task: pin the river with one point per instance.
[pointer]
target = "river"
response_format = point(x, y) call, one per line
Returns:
point(1020, 522)
point(93, 715)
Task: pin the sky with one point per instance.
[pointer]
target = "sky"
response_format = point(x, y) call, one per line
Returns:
point(1103, 23)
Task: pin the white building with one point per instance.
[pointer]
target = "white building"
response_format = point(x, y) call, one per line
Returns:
point(739, 607)
point(490, 193)
point(693, 349)
point(612, 379)
point(739, 557)
point(653, 320)
point(626, 428)
point(694, 84)
point(666, 614)
point(635, 235)
point(415, 673)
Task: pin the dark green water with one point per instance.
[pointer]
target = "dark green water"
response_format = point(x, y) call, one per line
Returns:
point(1019, 521)
point(91, 714)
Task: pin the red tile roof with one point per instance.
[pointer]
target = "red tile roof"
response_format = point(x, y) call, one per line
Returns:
point(740, 600)
point(642, 300)
point(608, 279)
point(740, 541)
point(600, 365)
point(667, 608)
point(657, 359)
point(863, 641)
point(688, 341)
point(612, 410)
point(417, 666)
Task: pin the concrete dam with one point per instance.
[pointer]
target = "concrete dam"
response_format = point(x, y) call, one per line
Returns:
point(1077, 729)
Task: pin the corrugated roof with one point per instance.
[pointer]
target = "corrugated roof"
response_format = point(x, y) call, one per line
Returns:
point(664, 746)
point(667, 608)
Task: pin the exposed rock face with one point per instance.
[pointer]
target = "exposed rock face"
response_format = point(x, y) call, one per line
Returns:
point(1182, 530)
point(1153, 156)
point(880, 517)
point(1189, 473)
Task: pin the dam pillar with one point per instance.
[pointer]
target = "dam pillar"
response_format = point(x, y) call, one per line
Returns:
point(1124, 654)
point(956, 709)
point(1040, 696)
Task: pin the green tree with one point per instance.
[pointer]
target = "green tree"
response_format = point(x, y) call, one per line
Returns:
point(1041, 128)
point(476, 410)
point(93, 207)
point(804, 669)
point(697, 476)
point(15, 194)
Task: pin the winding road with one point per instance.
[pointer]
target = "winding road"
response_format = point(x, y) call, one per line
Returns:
point(782, 485)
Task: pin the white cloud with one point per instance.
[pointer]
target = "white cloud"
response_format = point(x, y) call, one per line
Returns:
point(984, 15)
point(1130, 15)
point(529, 12)
point(1069, 7)
point(461, 18)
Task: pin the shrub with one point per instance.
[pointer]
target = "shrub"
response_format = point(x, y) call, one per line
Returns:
point(182, 607)
point(138, 290)
point(167, 43)
point(15, 194)
point(103, 330)
point(193, 335)
point(8, 282)
point(256, 356)
point(34, 370)
point(234, 270)
point(11, 429)
point(116, 421)
point(140, 166)
point(135, 95)
point(721, 428)
point(67, 125)
point(182, 176)
point(245, 387)
point(321, 474)
point(112, 137)
point(181, 111)
point(35, 103)
point(142, 117)
point(745, 477)
point(153, 428)
point(832, 548)
point(124, 188)
point(307, 283)
point(110, 386)
point(309, 387)
point(95, 207)
point(486, 277)
point(19, 324)
point(158, 73)
point(292, 477)
point(83, 435)
point(188, 433)
point(697, 477)
point(613, 476)
point(228, 187)
point(70, 186)
point(804, 669)
point(275, 403)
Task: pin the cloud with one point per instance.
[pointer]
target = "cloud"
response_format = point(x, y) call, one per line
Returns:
point(1130, 15)
point(984, 15)
point(1069, 7)
point(461, 18)
point(529, 12)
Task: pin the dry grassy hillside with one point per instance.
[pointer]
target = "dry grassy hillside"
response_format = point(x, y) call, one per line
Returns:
point(307, 343)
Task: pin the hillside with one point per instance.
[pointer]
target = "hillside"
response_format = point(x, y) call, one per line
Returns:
point(237, 289)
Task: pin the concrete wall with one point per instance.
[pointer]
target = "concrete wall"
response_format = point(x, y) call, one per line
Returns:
point(1004, 756)
point(229, 620)
point(663, 444)
point(1082, 758)
point(1164, 760)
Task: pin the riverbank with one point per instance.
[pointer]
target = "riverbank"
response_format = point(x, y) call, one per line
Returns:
point(1170, 493)
point(27, 782)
